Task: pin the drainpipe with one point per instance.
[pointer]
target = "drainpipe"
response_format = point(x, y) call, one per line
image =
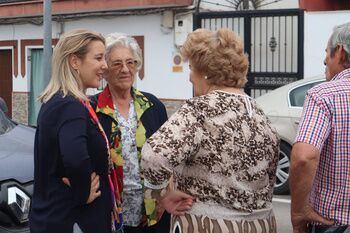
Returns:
point(47, 42)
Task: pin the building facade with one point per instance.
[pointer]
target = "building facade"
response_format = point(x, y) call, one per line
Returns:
point(160, 27)
point(149, 21)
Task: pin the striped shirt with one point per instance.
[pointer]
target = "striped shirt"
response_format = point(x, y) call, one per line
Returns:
point(325, 124)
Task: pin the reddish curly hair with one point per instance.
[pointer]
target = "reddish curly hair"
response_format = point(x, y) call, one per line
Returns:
point(218, 55)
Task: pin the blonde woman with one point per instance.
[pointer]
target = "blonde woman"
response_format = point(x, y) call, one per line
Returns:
point(71, 156)
point(219, 145)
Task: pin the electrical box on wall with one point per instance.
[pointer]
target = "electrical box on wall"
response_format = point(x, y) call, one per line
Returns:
point(167, 19)
point(183, 26)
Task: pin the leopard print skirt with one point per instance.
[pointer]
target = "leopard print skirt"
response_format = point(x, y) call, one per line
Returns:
point(201, 224)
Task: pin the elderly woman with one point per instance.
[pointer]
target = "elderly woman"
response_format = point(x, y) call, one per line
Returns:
point(129, 116)
point(219, 146)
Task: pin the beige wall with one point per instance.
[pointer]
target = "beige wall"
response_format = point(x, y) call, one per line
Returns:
point(172, 105)
point(20, 106)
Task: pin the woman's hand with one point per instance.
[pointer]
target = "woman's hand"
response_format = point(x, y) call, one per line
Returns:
point(94, 186)
point(176, 202)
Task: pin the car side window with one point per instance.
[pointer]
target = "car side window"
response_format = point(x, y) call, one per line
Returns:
point(5, 124)
point(297, 95)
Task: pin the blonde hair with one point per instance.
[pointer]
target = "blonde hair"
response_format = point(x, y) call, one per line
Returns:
point(64, 78)
point(119, 40)
point(218, 55)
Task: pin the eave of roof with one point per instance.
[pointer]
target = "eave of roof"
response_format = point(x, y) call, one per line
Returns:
point(63, 7)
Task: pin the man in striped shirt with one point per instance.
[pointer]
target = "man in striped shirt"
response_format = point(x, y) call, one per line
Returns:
point(320, 166)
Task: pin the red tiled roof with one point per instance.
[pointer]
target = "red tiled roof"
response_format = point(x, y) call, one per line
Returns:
point(324, 5)
point(35, 7)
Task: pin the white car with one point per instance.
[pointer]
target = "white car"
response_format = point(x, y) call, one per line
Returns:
point(284, 107)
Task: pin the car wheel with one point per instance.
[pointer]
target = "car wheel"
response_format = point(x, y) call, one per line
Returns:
point(282, 173)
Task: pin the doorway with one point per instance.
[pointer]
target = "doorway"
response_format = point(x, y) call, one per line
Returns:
point(6, 78)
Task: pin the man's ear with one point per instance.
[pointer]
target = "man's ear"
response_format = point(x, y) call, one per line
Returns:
point(342, 54)
point(74, 61)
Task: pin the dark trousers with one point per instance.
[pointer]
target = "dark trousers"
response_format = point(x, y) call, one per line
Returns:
point(138, 229)
point(328, 229)
point(163, 226)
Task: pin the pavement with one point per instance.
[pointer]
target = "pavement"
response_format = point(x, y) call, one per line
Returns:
point(281, 207)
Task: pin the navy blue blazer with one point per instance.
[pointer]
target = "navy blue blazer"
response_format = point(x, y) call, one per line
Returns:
point(68, 144)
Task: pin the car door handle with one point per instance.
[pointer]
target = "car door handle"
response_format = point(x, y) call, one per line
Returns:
point(296, 122)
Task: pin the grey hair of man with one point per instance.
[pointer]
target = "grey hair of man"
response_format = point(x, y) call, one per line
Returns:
point(341, 36)
point(119, 40)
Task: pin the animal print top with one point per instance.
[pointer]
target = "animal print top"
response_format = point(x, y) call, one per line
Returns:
point(221, 149)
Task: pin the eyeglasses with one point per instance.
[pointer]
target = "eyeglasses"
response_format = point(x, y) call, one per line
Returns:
point(119, 64)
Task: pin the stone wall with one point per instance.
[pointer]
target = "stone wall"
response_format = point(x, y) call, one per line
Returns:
point(20, 107)
point(172, 105)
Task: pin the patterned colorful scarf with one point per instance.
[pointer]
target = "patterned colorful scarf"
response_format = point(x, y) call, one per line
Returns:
point(117, 217)
point(106, 107)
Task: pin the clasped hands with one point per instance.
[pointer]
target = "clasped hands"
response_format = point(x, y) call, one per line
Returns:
point(175, 202)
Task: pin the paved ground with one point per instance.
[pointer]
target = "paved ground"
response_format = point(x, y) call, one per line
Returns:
point(281, 207)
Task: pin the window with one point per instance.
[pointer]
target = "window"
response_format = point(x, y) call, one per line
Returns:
point(5, 123)
point(37, 83)
point(297, 95)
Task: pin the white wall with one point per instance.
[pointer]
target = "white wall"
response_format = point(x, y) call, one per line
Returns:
point(158, 45)
point(17, 32)
point(158, 50)
point(317, 30)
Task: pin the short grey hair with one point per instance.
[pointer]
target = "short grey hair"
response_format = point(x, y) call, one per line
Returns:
point(119, 40)
point(341, 35)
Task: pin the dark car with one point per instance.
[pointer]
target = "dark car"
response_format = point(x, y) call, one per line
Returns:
point(16, 173)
